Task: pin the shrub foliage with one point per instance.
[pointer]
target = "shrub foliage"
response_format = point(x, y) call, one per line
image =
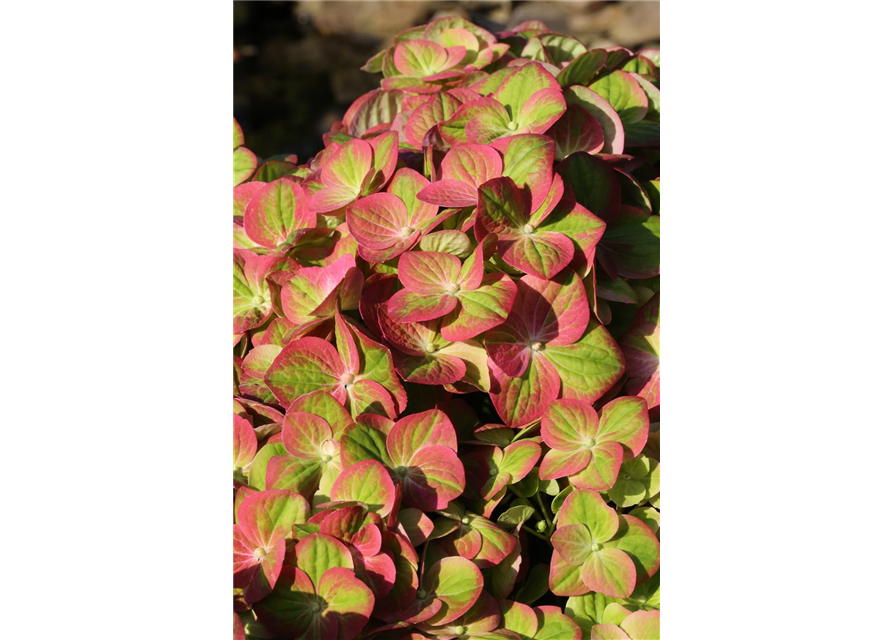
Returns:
point(446, 345)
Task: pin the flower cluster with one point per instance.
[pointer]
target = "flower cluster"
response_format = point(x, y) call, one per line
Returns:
point(446, 346)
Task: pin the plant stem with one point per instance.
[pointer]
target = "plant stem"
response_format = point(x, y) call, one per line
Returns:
point(523, 499)
point(545, 511)
point(534, 533)
point(422, 562)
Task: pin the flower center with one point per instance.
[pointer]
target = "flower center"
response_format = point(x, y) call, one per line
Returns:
point(465, 520)
point(528, 228)
point(316, 607)
point(494, 471)
point(430, 348)
point(596, 546)
point(257, 300)
point(460, 630)
point(590, 442)
point(452, 287)
point(260, 554)
point(347, 379)
point(326, 458)
point(406, 231)
point(513, 126)
point(536, 346)
point(421, 594)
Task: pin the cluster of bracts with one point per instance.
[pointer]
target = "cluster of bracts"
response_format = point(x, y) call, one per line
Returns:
point(446, 340)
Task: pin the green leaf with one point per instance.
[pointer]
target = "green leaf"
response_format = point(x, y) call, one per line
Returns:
point(632, 193)
point(615, 289)
point(594, 183)
point(558, 500)
point(272, 170)
point(632, 244)
point(373, 64)
point(627, 492)
point(550, 487)
point(649, 515)
point(582, 69)
point(529, 486)
point(535, 585)
point(561, 48)
point(625, 95)
point(287, 611)
point(515, 516)
point(534, 50)
point(653, 94)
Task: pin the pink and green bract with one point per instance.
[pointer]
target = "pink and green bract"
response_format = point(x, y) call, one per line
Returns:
point(639, 625)
point(595, 549)
point(356, 370)
point(539, 242)
point(539, 622)
point(419, 451)
point(528, 100)
point(549, 347)
point(320, 597)
point(473, 536)
point(265, 521)
point(446, 341)
point(439, 285)
point(589, 448)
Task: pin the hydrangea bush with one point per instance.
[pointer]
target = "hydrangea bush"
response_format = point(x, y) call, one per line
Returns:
point(446, 332)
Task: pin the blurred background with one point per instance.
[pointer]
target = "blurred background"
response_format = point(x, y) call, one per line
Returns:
point(296, 65)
